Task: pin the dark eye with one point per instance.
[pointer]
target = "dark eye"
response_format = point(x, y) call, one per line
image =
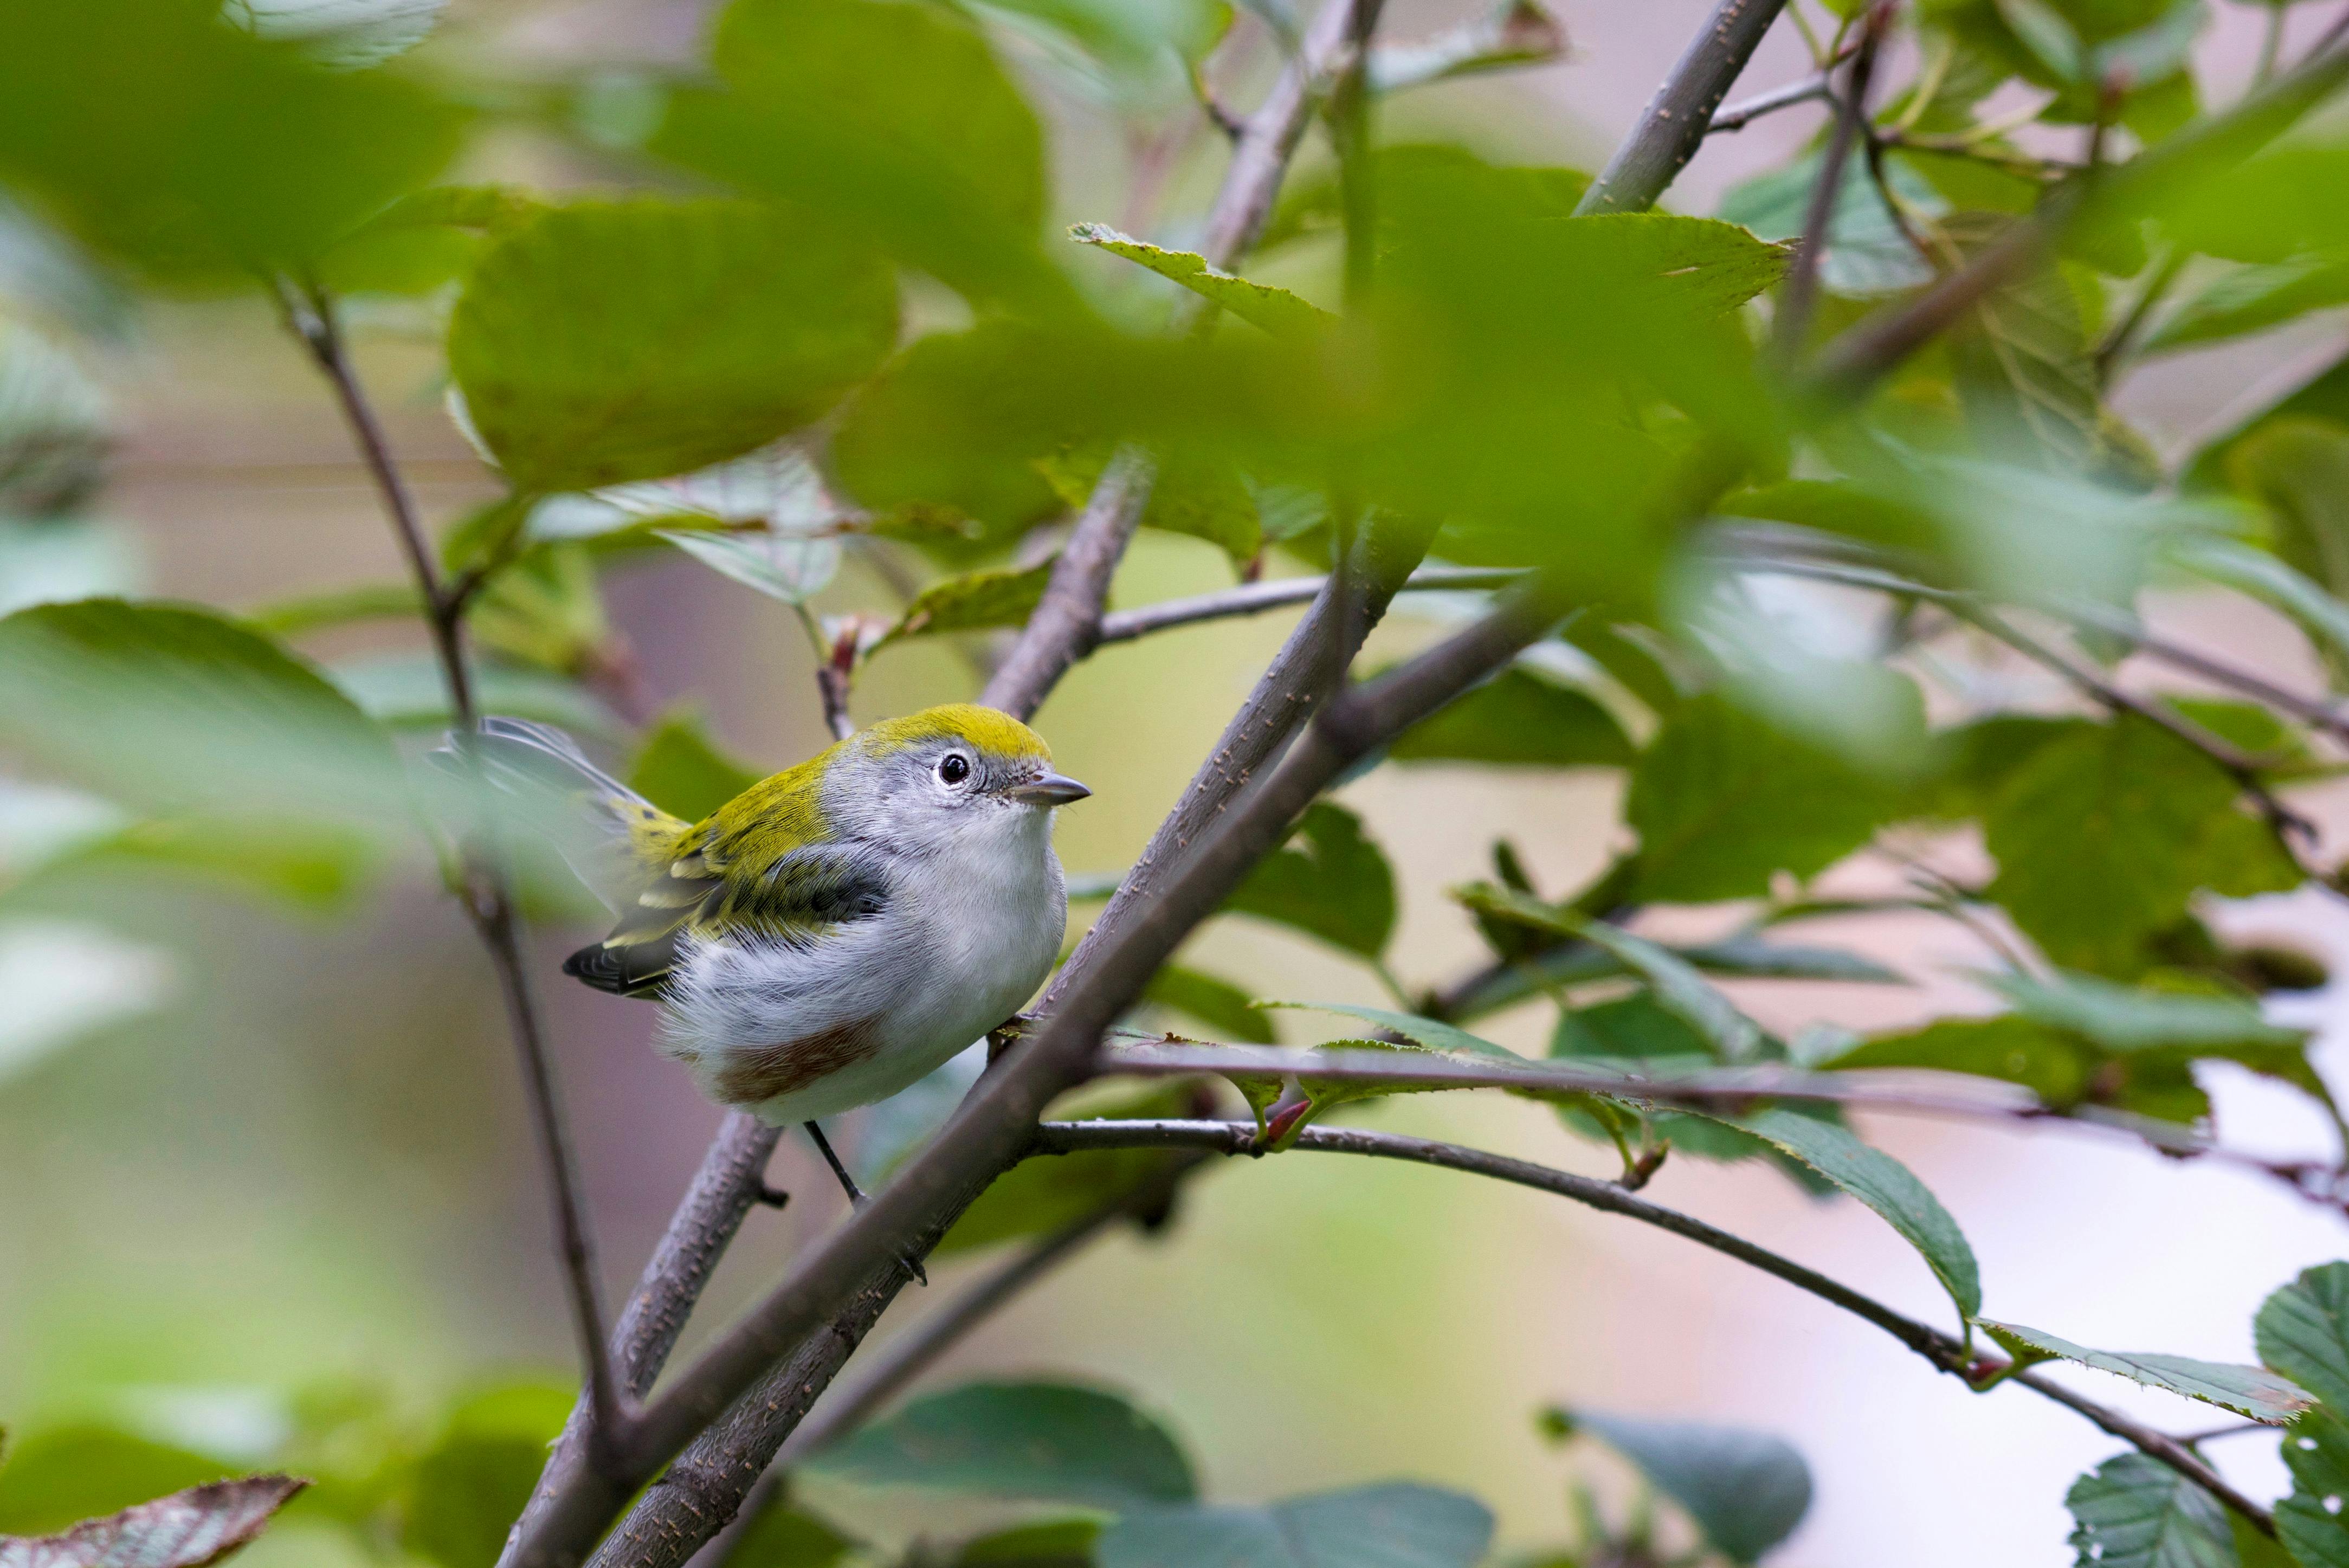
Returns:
point(954, 768)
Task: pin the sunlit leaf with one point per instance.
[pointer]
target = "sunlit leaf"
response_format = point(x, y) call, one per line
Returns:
point(2250, 1391)
point(1050, 1442)
point(1276, 310)
point(974, 602)
point(630, 340)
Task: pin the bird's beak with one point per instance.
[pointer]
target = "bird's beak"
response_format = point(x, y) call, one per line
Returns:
point(1051, 789)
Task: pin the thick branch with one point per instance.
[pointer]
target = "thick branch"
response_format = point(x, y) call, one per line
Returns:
point(732, 1179)
point(1945, 1353)
point(487, 899)
point(1674, 125)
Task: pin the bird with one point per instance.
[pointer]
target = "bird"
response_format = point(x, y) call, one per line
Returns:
point(837, 930)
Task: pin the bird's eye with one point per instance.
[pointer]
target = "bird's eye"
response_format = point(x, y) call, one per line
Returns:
point(954, 768)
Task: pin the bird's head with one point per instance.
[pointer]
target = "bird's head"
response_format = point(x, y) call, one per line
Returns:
point(948, 776)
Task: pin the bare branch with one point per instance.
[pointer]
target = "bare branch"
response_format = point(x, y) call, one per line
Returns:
point(1945, 1353)
point(1800, 294)
point(1745, 111)
point(1255, 598)
point(1674, 125)
point(487, 902)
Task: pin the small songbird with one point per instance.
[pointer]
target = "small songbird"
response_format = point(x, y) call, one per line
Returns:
point(834, 931)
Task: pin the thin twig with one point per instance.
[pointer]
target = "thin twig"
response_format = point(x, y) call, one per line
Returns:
point(487, 899)
point(1255, 598)
point(1945, 1353)
point(1674, 125)
point(2122, 339)
point(1799, 296)
point(1745, 111)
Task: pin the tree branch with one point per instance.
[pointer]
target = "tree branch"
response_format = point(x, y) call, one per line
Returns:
point(1800, 294)
point(1063, 629)
point(487, 899)
point(1674, 125)
point(1255, 598)
point(1945, 1353)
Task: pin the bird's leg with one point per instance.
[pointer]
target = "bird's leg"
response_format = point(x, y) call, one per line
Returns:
point(857, 1199)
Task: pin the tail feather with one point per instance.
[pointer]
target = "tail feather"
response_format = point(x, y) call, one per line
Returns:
point(614, 838)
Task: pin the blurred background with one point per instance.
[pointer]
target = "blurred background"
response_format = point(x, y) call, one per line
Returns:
point(273, 1153)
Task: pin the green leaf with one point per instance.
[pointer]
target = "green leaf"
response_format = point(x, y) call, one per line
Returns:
point(1426, 1032)
point(2298, 468)
point(784, 1536)
point(186, 1529)
point(780, 565)
point(631, 340)
point(2250, 1391)
point(1633, 1026)
point(1885, 1185)
point(177, 709)
point(2134, 1511)
point(1729, 1033)
point(346, 34)
point(1330, 881)
point(1052, 1442)
point(1744, 1490)
point(1039, 1196)
point(974, 602)
point(2260, 211)
point(1190, 495)
point(1215, 1002)
point(2302, 1331)
point(1276, 310)
point(54, 1479)
point(1048, 1543)
point(1865, 253)
point(680, 769)
point(1522, 718)
point(2251, 570)
point(890, 120)
point(2050, 1064)
point(2107, 831)
point(2310, 1520)
point(195, 151)
point(1722, 802)
point(1395, 1525)
point(2127, 1018)
point(465, 1492)
point(2251, 299)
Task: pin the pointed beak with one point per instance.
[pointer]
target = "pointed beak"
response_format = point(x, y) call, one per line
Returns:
point(1051, 789)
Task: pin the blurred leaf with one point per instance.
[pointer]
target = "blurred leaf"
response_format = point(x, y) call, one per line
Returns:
point(2250, 569)
point(680, 769)
point(614, 341)
point(1885, 1185)
point(55, 432)
point(2107, 830)
point(185, 1530)
point(404, 691)
point(193, 150)
point(1216, 1002)
point(2249, 1391)
point(2302, 1331)
point(1052, 1442)
point(2310, 1521)
point(1727, 1033)
point(1329, 882)
point(1050, 1544)
point(2134, 1511)
point(1722, 802)
point(1515, 32)
point(465, 1492)
point(1744, 1490)
point(1276, 310)
point(2015, 1049)
point(177, 709)
point(2299, 470)
point(1037, 1196)
point(55, 560)
point(56, 1479)
point(2260, 210)
point(545, 609)
point(2251, 299)
point(2129, 1019)
point(337, 607)
point(66, 980)
point(1518, 717)
point(891, 121)
point(1131, 56)
point(425, 241)
point(974, 602)
point(1395, 1525)
point(777, 564)
point(347, 34)
point(783, 1536)
point(1200, 497)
